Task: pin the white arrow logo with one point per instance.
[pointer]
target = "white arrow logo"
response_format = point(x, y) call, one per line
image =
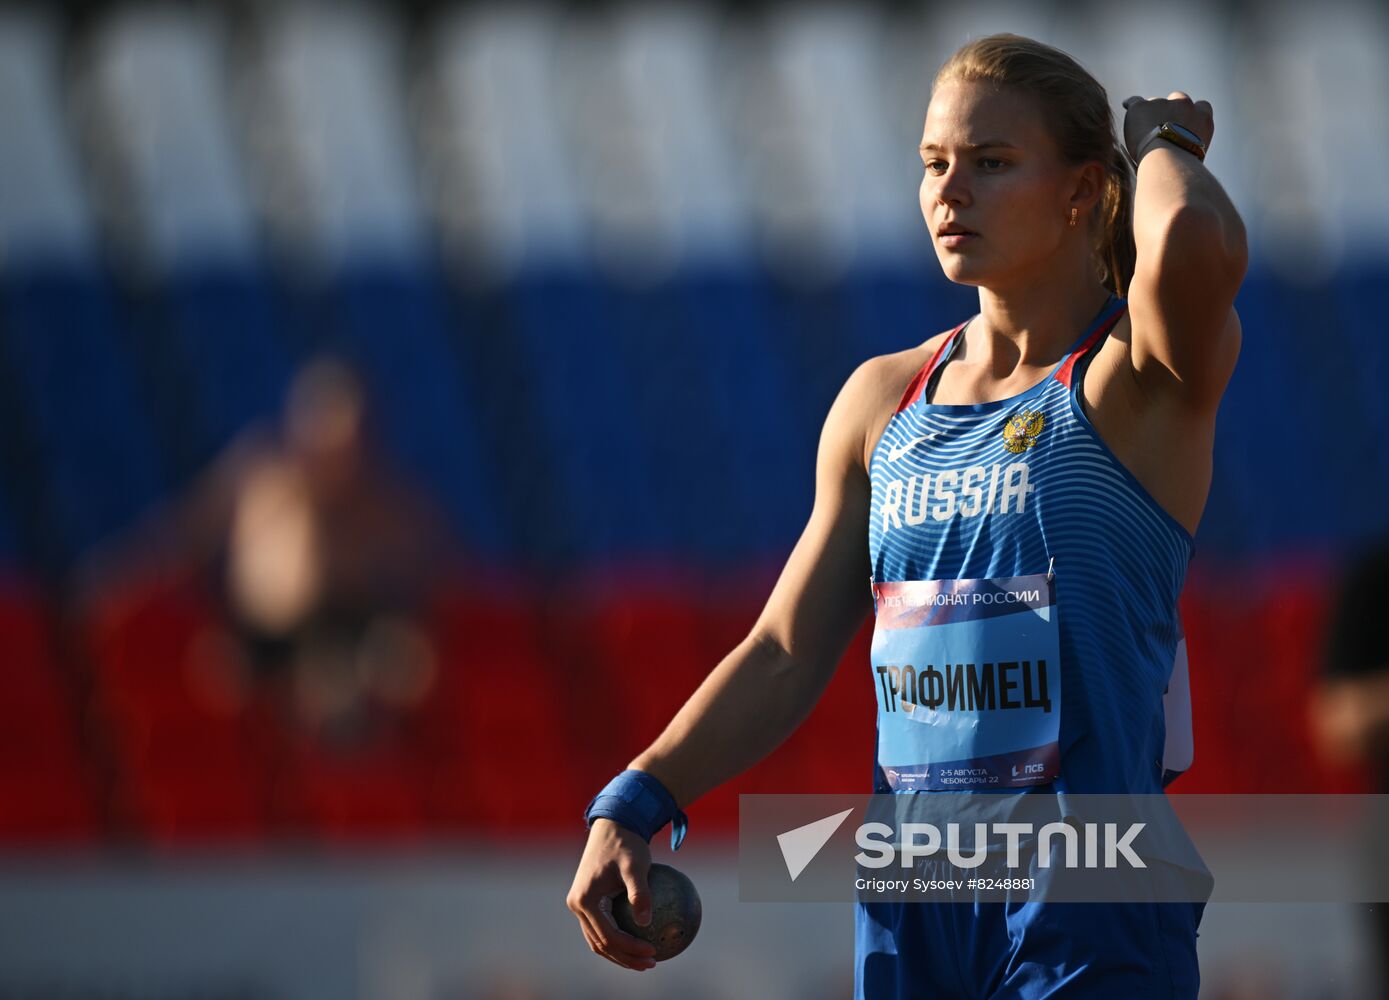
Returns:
point(799, 846)
point(896, 452)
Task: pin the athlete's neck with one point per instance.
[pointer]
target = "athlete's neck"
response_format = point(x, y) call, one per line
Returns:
point(1032, 325)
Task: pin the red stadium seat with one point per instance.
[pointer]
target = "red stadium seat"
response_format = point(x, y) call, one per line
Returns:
point(371, 794)
point(646, 647)
point(188, 781)
point(46, 788)
point(192, 760)
point(831, 751)
point(1255, 643)
point(499, 738)
point(646, 652)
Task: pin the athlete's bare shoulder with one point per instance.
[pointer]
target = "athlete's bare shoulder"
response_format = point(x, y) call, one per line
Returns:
point(872, 392)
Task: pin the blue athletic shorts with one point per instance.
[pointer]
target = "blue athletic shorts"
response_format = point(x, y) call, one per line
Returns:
point(1025, 950)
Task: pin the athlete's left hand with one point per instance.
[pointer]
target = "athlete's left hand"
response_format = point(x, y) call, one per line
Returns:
point(1142, 113)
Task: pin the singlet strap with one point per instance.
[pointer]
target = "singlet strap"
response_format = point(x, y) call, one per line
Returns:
point(918, 383)
point(1104, 323)
point(1110, 314)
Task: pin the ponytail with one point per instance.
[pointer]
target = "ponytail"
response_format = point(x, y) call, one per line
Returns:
point(1115, 250)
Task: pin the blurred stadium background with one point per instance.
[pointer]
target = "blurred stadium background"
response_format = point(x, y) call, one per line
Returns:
point(603, 268)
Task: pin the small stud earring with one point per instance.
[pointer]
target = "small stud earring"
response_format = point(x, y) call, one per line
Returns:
point(1074, 211)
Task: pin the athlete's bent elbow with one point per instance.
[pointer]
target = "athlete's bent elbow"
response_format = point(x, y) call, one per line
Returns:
point(1212, 239)
point(1236, 244)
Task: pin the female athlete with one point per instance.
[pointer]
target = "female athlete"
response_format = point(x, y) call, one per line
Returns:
point(1057, 443)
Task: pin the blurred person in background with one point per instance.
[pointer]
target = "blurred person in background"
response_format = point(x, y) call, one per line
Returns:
point(1102, 410)
point(1350, 714)
point(321, 558)
point(1350, 711)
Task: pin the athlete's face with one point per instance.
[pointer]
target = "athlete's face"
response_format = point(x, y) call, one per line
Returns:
point(993, 168)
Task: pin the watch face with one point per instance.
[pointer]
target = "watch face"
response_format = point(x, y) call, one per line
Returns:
point(1183, 132)
point(1182, 136)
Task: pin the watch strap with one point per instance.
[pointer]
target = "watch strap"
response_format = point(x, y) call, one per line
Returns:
point(1178, 135)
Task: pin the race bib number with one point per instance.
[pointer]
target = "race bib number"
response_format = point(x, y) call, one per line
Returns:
point(968, 679)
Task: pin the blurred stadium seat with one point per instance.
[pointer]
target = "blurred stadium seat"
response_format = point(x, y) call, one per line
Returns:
point(1256, 646)
point(327, 798)
point(502, 743)
point(192, 760)
point(47, 786)
point(98, 463)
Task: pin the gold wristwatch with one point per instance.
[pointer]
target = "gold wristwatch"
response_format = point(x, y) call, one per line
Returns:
point(1179, 135)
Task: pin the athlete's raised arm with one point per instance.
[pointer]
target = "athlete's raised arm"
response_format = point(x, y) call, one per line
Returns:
point(766, 686)
point(1191, 257)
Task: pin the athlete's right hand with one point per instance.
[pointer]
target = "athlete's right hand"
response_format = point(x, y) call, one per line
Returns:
point(615, 860)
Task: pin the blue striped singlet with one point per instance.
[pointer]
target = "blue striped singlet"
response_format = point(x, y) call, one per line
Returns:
point(1024, 485)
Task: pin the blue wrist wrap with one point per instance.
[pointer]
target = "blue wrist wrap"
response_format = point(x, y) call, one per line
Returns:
point(639, 801)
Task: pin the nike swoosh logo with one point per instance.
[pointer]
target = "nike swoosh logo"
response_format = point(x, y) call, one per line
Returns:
point(893, 454)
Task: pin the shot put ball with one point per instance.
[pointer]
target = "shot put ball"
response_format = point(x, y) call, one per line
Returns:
point(675, 912)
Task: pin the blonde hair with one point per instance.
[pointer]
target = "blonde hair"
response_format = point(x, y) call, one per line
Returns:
point(1082, 123)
